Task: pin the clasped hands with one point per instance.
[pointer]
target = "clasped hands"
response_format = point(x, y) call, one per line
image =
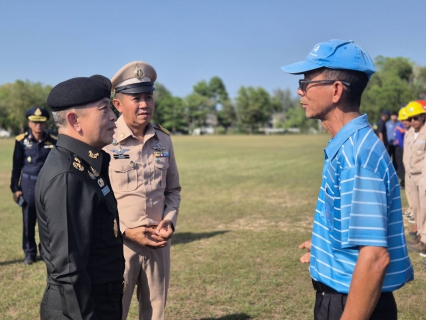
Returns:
point(151, 237)
point(306, 258)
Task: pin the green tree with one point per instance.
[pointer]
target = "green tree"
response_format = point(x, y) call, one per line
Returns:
point(393, 85)
point(16, 98)
point(254, 107)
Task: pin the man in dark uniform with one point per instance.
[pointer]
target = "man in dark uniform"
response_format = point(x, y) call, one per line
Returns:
point(381, 127)
point(76, 208)
point(31, 150)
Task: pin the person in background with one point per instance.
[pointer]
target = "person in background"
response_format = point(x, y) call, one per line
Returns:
point(390, 133)
point(401, 128)
point(30, 153)
point(357, 254)
point(381, 127)
point(145, 180)
point(417, 115)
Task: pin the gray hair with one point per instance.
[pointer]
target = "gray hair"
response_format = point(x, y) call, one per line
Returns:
point(60, 116)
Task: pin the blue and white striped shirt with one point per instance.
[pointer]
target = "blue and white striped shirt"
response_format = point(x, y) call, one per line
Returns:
point(359, 204)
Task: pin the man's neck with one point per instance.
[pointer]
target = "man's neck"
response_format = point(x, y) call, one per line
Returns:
point(138, 131)
point(337, 120)
point(38, 135)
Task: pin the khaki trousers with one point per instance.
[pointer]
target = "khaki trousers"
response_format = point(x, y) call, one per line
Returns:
point(407, 190)
point(149, 270)
point(421, 222)
point(415, 196)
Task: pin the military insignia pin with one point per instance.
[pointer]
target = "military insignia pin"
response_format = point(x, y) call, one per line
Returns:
point(77, 164)
point(115, 228)
point(91, 175)
point(29, 159)
point(132, 164)
point(101, 182)
point(114, 142)
point(93, 155)
point(119, 153)
point(158, 147)
point(96, 174)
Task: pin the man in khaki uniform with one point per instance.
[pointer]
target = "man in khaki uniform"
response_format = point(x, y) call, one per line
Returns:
point(145, 181)
point(422, 194)
point(416, 162)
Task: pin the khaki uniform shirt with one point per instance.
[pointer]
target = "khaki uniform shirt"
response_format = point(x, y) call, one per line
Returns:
point(144, 176)
point(417, 151)
point(408, 140)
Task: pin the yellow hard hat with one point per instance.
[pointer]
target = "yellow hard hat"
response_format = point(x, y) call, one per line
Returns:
point(414, 108)
point(402, 114)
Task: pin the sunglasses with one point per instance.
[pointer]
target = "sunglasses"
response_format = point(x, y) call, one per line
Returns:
point(303, 84)
point(414, 118)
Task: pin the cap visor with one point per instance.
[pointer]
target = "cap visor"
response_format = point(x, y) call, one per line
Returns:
point(301, 67)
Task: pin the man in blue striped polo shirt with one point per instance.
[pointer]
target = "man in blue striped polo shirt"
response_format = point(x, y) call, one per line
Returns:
point(358, 254)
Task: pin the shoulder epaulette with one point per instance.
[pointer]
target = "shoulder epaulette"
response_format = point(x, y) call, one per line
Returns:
point(157, 126)
point(53, 136)
point(21, 136)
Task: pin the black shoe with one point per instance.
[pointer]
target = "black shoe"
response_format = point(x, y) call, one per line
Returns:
point(28, 262)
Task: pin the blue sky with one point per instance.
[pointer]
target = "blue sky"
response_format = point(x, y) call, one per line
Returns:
point(244, 42)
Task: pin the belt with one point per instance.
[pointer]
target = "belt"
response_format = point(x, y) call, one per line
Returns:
point(29, 176)
point(102, 289)
point(109, 288)
point(321, 287)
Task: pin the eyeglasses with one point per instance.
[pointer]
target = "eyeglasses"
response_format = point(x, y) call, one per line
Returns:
point(303, 84)
point(414, 118)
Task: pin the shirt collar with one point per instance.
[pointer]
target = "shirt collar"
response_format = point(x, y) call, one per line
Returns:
point(123, 131)
point(82, 150)
point(343, 135)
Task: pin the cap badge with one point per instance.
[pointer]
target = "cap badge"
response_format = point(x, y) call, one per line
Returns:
point(38, 112)
point(77, 164)
point(93, 155)
point(101, 182)
point(94, 172)
point(138, 73)
point(115, 228)
point(158, 147)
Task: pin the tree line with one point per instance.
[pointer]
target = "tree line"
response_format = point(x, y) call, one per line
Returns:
point(208, 108)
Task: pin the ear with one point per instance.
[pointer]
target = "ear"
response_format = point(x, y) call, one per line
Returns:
point(72, 120)
point(338, 90)
point(117, 104)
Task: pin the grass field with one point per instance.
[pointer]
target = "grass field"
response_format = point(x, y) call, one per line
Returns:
point(247, 202)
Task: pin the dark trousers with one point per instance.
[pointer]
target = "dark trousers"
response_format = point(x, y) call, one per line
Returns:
point(399, 152)
point(29, 218)
point(108, 306)
point(391, 150)
point(330, 306)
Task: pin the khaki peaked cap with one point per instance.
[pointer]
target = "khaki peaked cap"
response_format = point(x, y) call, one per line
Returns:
point(135, 77)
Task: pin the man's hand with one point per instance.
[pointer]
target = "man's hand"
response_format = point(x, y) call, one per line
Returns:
point(306, 258)
point(165, 230)
point(16, 195)
point(145, 236)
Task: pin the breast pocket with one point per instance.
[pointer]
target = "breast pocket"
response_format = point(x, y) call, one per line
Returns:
point(160, 173)
point(123, 175)
point(328, 209)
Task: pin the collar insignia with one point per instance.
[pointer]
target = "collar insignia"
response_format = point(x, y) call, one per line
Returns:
point(93, 155)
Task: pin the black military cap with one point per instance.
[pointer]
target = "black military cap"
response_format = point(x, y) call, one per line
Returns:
point(78, 91)
point(37, 114)
point(135, 77)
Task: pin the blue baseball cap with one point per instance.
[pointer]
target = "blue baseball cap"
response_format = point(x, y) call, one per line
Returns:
point(334, 54)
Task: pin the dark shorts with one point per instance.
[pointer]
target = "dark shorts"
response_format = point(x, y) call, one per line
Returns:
point(330, 306)
point(108, 306)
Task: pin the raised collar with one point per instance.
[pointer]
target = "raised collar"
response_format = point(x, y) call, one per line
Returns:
point(82, 150)
point(123, 131)
point(343, 135)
